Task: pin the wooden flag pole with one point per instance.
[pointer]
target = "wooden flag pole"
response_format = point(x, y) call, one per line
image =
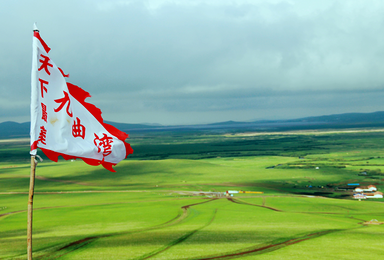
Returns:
point(30, 206)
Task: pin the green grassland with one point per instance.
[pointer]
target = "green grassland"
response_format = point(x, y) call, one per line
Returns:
point(150, 207)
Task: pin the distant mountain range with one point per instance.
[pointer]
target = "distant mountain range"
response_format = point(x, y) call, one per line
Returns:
point(348, 120)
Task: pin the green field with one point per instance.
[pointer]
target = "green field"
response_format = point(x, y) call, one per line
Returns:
point(151, 208)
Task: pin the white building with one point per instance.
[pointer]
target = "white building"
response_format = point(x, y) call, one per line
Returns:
point(359, 196)
point(370, 188)
point(375, 195)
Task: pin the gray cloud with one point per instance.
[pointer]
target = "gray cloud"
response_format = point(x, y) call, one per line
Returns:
point(200, 61)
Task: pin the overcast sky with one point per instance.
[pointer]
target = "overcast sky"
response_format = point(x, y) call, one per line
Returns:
point(188, 62)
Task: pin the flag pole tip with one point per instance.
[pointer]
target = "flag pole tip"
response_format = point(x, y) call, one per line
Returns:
point(35, 27)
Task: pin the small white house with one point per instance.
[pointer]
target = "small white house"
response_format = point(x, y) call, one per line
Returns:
point(358, 189)
point(375, 195)
point(359, 196)
point(370, 188)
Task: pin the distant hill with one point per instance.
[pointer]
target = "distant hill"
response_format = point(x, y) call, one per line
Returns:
point(124, 126)
point(14, 130)
point(17, 130)
point(374, 117)
point(347, 120)
point(228, 123)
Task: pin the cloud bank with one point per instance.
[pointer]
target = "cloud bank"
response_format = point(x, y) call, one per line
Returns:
point(185, 62)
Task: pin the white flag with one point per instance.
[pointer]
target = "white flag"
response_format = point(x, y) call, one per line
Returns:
point(62, 123)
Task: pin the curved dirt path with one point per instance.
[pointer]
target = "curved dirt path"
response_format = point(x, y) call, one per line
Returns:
point(250, 204)
point(71, 247)
point(87, 240)
point(177, 241)
point(269, 248)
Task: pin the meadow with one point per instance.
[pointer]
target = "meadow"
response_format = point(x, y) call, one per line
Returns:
point(150, 208)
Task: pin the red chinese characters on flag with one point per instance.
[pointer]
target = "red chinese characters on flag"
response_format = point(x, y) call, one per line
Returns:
point(45, 63)
point(43, 88)
point(44, 114)
point(63, 101)
point(63, 123)
point(103, 144)
point(42, 135)
point(78, 130)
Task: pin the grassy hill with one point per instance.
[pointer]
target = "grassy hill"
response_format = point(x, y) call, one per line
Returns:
point(153, 206)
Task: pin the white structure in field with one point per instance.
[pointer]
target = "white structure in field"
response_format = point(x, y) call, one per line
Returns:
point(369, 192)
point(370, 188)
point(359, 196)
point(375, 195)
